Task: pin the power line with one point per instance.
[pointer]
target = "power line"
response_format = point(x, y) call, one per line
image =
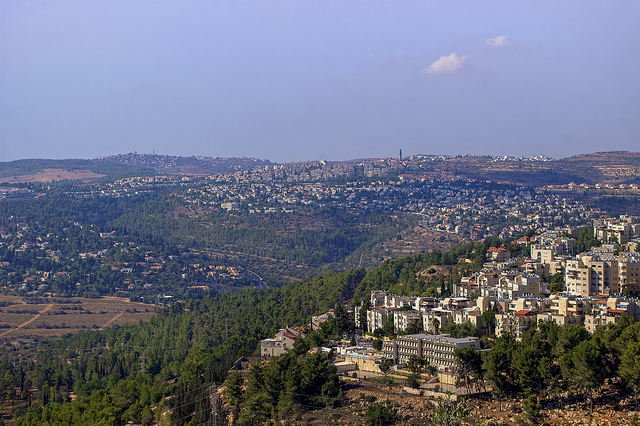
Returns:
point(214, 404)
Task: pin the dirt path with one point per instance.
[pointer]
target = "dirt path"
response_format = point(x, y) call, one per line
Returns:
point(49, 306)
point(111, 320)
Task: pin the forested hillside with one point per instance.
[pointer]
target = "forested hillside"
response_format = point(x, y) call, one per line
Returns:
point(144, 246)
point(124, 373)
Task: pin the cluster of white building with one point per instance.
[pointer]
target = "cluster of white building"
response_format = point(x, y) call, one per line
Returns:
point(600, 286)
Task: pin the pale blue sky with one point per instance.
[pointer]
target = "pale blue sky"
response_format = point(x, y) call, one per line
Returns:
point(332, 79)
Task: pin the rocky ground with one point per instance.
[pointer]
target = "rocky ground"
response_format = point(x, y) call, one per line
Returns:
point(416, 410)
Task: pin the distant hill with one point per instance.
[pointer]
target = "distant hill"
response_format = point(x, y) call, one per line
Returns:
point(602, 167)
point(192, 166)
point(40, 170)
point(121, 166)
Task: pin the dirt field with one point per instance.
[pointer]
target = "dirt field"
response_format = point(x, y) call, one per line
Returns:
point(50, 175)
point(53, 318)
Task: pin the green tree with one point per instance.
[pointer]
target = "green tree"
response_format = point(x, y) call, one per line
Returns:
point(468, 367)
point(381, 414)
point(630, 367)
point(235, 381)
point(583, 366)
point(489, 322)
point(416, 364)
point(450, 413)
point(531, 408)
point(497, 364)
point(530, 364)
point(362, 315)
point(343, 324)
point(377, 344)
point(388, 327)
point(557, 284)
point(414, 328)
point(385, 366)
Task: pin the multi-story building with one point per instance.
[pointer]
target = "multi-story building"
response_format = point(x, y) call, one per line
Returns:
point(377, 298)
point(377, 318)
point(512, 285)
point(395, 301)
point(498, 254)
point(629, 274)
point(438, 350)
point(614, 230)
point(591, 275)
point(403, 319)
point(434, 320)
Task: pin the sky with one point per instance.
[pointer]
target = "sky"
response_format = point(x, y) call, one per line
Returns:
point(297, 80)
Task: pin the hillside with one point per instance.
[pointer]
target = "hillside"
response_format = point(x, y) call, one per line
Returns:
point(190, 166)
point(43, 170)
point(603, 167)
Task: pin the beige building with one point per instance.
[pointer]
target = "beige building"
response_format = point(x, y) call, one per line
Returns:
point(512, 285)
point(613, 231)
point(498, 254)
point(592, 275)
point(542, 255)
point(281, 343)
point(377, 318)
point(629, 275)
point(434, 320)
point(403, 319)
point(365, 360)
point(438, 350)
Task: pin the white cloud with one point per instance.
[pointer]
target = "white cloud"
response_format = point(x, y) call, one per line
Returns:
point(499, 41)
point(446, 64)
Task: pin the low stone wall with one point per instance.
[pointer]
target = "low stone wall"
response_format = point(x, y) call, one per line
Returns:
point(430, 394)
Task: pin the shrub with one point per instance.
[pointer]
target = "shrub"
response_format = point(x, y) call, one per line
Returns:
point(381, 414)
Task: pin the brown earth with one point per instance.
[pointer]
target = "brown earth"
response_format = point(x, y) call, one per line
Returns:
point(600, 167)
point(407, 242)
point(52, 175)
point(416, 410)
point(50, 319)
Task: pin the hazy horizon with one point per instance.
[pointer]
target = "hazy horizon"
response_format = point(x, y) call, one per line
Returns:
point(295, 81)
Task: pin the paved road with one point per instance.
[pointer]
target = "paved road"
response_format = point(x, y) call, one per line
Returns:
point(258, 281)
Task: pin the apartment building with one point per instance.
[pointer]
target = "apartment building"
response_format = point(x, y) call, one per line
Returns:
point(437, 349)
point(591, 275)
point(512, 285)
point(377, 317)
point(434, 320)
point(629, 274)
point(615, 231)
point(403, 319)
point(498, 254)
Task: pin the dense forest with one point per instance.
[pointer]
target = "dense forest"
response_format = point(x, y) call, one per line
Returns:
point(300, 244)
point(162, 371)
point(167, 365)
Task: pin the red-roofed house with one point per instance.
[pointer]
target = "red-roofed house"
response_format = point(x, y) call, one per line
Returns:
point(281, 343)
point(499, 254)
